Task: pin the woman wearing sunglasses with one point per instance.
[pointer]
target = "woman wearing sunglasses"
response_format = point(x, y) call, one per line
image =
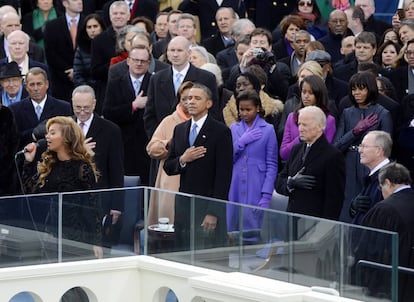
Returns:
point(309, 11)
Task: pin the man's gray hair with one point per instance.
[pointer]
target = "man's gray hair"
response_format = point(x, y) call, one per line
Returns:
point(383, 140)
point(233, 13)
point(118, 4)
point(318, 115)
point(84, 89)
point(238, 25)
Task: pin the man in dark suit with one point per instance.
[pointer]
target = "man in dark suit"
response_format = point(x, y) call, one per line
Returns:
point(38, 107)
point(394, 213)
point(300, 42)
point(159, 47)
point(124, 105)
point(206, 12)
point(278, 75)
point(203, 156)
point(9, 23)
point(314, 183)
point(231, 56)
point(374, 151)
point(365, 48)
point(141, 39)
point(338, 29)
point(402, 78)
point(371, 23)
point(105, 139)
point(103, 49)
point(162, 91)
point(18, 45)
point(225, 18)
point(60, 44)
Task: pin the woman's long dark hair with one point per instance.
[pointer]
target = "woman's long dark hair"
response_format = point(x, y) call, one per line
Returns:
point(378, 56)
point(320, 92)
point(363, 80)
point(82, 39)
point(250, 95)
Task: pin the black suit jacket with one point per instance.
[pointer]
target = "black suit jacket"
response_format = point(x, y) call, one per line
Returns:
point(159, 47)
point(214, 44)
point(37, 34)
point(26, 119)
point(226, 59)
point(268, 13)
point(60, 52)
point(162, 99)
point(102, 50)
point(208, 176)
point(346, 71)
point(392, 214)
point(109, 158)
point(399, 78)
point(279, 49)
point(118, 108)
point(35, 51)
point(327, 164)
point(206, 12)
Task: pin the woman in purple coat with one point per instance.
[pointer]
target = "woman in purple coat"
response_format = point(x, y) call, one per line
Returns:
point(254, 164)
point(313, 93)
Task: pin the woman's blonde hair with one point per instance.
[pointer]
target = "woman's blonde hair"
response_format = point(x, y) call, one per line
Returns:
point(313, 67)
point(74, 142)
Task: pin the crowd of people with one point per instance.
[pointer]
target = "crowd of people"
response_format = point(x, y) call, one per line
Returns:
point(312, 101)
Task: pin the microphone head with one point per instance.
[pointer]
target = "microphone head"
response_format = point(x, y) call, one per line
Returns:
point(42, 143)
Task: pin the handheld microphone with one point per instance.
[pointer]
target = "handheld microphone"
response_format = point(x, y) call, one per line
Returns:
point(42, 143)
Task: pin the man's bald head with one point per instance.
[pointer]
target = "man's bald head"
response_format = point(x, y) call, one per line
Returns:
point(6, 9)
point(178, 52)
point(338, 22)
point(9, 23)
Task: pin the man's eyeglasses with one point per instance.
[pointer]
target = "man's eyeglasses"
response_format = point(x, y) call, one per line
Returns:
point(335, 21)
point(85, 109)
point(366, 146)
point(409, 53)
point(138, 61)
point(304, 3)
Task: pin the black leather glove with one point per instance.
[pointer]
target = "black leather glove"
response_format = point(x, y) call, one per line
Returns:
point(360, 204)
point(300, 181)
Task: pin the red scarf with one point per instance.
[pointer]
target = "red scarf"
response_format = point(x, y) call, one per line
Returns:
point(305, 16)
point(134, 8)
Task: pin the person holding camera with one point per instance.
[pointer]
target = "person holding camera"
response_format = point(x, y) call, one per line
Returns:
point(260, 53)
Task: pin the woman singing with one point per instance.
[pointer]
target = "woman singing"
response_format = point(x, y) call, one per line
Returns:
point(67, 165)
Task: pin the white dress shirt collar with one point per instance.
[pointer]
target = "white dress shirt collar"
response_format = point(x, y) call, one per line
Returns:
point(199, 123)
point(42, 103)
point(183, 71)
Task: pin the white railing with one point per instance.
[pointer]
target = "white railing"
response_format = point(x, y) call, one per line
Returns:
point(144, 278)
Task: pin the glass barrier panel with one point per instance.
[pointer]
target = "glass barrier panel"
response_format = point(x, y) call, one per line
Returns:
point(81, 215)
point(358, 262)
point(279, 245)
point(121, 235)
point(26, 230)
